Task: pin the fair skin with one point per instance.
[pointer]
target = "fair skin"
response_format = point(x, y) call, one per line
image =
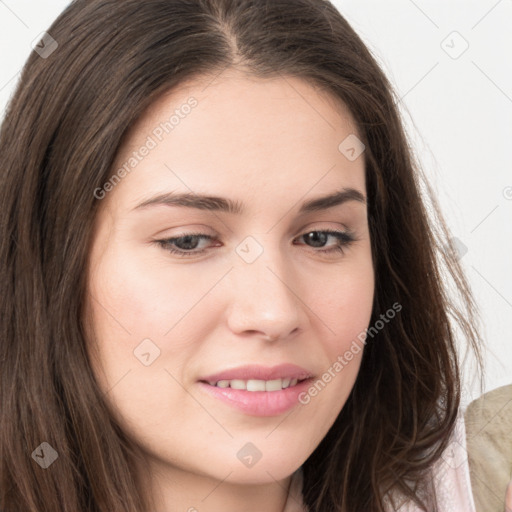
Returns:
point(270, 145)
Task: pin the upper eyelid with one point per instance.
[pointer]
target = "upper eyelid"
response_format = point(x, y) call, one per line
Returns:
point(205, 230)
point(203, 234)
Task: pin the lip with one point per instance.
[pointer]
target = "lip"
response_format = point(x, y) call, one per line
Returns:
point(258, 372)
point(259, 403)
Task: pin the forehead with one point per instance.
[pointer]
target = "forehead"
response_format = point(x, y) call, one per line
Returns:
point(234, 93)
point(214, 134)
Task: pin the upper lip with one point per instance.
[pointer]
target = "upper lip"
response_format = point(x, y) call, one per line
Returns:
point(258, 372)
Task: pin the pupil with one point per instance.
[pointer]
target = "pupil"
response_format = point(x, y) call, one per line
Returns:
point(187, 242)
point(315, 236)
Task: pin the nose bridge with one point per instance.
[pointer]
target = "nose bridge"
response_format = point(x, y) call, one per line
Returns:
point(262, 291)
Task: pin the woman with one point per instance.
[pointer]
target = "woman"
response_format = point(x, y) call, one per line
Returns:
point(222, 288)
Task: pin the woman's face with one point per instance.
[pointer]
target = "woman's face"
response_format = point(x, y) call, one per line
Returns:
point(263, 286)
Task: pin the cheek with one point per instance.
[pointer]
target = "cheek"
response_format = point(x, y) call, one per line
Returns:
point(130, 302)
point(133, 300)
point(343, 303)
point(344, 309)
point(141, 296)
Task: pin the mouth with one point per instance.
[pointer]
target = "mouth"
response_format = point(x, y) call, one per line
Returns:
point(258, 390)
point(253, 377)
point(256, 384)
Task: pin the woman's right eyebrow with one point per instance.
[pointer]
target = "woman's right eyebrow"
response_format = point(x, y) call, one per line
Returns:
point(223, 204)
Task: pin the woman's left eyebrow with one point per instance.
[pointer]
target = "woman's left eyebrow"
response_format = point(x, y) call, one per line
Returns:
point(222, 204)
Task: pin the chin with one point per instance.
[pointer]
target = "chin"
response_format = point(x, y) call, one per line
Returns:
point(262, 474)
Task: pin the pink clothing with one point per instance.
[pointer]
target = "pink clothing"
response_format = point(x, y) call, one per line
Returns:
point(450, 474)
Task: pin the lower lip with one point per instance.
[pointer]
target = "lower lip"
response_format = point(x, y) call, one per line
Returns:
point(259, 403)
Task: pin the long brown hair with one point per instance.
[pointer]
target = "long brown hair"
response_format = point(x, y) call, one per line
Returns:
point(62, 130)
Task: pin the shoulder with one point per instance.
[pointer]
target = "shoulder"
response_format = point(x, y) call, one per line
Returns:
point(489, 443)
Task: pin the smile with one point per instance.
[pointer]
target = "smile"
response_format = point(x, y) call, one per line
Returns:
point(255, 384)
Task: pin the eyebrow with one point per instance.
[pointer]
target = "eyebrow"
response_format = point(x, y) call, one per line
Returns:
point(222, 204)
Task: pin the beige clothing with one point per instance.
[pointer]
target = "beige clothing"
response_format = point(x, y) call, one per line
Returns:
point(489, 441)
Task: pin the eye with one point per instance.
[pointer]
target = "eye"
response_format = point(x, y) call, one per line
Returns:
point(318, 238)
point(186, 245)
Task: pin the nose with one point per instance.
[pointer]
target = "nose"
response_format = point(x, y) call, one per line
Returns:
point(265, 297)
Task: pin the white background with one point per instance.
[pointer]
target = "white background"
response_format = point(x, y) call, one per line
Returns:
point(457, 108)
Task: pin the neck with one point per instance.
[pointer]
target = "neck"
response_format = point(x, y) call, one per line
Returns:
point(175, 490)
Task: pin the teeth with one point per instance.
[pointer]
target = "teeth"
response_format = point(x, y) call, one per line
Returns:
point(255, 384)
point(269, 385)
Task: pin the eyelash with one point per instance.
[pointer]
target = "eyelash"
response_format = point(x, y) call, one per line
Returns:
point(346, 238)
